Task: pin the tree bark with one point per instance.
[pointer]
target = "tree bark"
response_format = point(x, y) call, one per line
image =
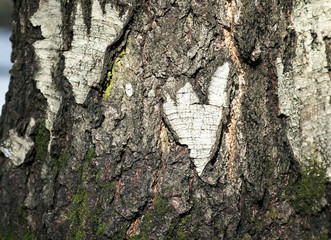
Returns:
point(167, 120)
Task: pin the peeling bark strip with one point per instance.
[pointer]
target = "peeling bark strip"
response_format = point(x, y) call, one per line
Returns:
point(49, 18)
point(84, 62)
point(197, 124)
point(305, 90)
point(15, 147)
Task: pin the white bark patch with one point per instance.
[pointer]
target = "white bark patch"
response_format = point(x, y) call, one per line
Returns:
point(128, 89)
point(197, 124)
point(305, 92)
point(84, 62)
point(49, 18)
point(15, 147)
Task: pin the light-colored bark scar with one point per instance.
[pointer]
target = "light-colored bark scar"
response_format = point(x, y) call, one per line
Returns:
point(49, 18)
point(305, 91)
point(84, 62)
point(197, 124)
point(17, 147)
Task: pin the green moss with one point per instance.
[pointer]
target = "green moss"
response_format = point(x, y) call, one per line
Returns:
point(107, 192)
point(101, 229)
point(180, 228)
point(180, 234)
point(269, 167)
point(121, 231)
point(117, 65)
point(87, 220)
point(85, 213)
point(62, 161)
point(4, 236)
point(259, 226)
point(154, 215)
point(24, 232)
point(323, 236)
point(274, 213)
point(41, 141)
point(28, 236)
point(153, 218)
point(86, 169)
point(22, 213)
point(140, 236)
point(79, 215)
point(91, 154)
point(309, 189)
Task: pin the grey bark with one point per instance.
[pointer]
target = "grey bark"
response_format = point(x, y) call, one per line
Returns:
point(164, 120)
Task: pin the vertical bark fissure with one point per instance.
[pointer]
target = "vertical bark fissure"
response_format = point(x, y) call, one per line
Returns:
point(114, 50)
point(239, 93)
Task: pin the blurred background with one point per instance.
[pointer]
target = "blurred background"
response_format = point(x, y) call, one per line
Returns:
point(5, 47)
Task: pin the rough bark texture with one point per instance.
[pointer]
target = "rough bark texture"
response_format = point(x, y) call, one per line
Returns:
point(167, 120)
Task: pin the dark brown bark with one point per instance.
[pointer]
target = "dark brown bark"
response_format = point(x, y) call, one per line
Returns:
point(115, 167)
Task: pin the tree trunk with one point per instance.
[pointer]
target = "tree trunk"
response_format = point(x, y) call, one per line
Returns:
point(167, 120)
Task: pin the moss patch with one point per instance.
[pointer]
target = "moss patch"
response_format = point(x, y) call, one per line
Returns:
point(90, 154)
point(41, 141)
point(269, 167)
point(86, 169)
point(24, 233)
point(28, 235)
point(153, 218)
point(180, 230)
point(274, 213)
point(62, 161)
point(101, 229)
point(79, 215)
point(84, 219)
point(86, 213)
point(309, 189)
point(87, 220)
point(4, 236)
